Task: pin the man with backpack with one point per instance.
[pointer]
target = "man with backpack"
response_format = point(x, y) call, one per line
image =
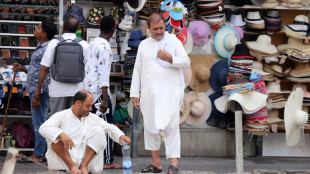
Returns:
point(97, 76)
point(65, 56)
point(44, 32)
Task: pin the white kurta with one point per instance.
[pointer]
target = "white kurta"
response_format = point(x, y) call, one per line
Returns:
point(82, 134)
point(160, 86)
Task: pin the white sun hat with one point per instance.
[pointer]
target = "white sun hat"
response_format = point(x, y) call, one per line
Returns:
point(294, 117)
point(226, 40)
point(250, 102)
point(140, 6)
point(263, 44)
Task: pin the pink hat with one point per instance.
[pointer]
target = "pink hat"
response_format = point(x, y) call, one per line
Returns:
point(200, 32)
point(240, 31)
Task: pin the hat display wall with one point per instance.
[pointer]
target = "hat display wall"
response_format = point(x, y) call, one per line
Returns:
point(225, 41)
point(294, 117)
point(218, 119)
point(135, 5)
point(200, 108)
point(200, 32)
point(200, 65)
point(219, 75)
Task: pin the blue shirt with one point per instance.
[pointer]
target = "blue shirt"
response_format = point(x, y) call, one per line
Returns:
point(34, 69)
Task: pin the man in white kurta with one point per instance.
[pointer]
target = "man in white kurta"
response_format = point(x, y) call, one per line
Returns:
point(74, 134)
point(157, 85)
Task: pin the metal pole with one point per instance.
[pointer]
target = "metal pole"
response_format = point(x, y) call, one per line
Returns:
point(60, 16)
point(238, 138)
point(135, 133)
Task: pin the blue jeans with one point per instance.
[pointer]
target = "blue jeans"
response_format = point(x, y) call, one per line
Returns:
point(39, 116)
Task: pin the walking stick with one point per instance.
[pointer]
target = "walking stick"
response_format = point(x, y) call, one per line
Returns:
point(8, 105)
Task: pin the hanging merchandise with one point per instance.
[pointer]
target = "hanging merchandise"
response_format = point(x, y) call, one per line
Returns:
point(95, 15)
point(135, 5)
point(225, 41)
point(294, 117)
point(76, 12)
point(126, 23)
point(117, 13)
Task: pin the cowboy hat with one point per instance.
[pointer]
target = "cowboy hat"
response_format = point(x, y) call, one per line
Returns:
point(225, 41)
point(200, 108)
point(135, 5)
point(294, 117)
point(218, 119)
point(219, 75)
point(201, 65)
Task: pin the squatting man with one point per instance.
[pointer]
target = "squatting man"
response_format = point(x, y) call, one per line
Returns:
point(76, 138)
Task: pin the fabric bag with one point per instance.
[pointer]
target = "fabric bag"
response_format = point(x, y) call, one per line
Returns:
point(68, 54)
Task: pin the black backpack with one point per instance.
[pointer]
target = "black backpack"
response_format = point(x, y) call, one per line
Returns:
point(68, 65)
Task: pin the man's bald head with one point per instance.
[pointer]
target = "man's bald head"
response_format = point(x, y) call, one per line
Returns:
point(155, 18)
point(71, 24)
point(82, 96)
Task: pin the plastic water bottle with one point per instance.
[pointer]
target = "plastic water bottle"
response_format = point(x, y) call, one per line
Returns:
point(126, 159)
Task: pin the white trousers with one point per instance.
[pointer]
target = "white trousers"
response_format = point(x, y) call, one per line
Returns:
point(172, 141)
point(96, 140)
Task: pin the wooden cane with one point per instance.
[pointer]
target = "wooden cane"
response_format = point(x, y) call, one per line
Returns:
point(8, 105)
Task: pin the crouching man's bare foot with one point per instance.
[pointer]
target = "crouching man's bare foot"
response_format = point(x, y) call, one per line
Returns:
point(84, 170)
point(75, 170)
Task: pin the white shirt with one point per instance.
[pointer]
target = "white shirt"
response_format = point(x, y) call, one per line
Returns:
point(97, 66)
point(65, 121)
point(59, 89)
point(160, 84)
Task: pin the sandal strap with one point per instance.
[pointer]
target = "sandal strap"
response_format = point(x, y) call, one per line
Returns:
point(173, 169)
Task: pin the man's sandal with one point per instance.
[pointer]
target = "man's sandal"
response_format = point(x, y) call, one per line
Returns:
point(172, 170)
point(151, 169)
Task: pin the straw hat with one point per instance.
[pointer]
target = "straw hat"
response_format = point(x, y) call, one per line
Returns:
point(250, 102)
point(304, 88)
point(225, 41)
point(185, 109)
point(258, 68)
point(135, 5)
point(275, 88)
point(276, 70)
point(273, 117)
point(270, 4)
point(200, 108)
point(297, 44)
point(294, 117)
point(263, 44)
point(187, 76)
point(201, 65)
point(254, 17)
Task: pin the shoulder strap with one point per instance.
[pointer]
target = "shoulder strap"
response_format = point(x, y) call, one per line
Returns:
point(77, 39)
point(61, 39)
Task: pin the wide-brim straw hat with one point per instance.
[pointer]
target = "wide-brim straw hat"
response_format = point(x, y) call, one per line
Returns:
point(250, 102)
point(297, 44)
point(270, 4)
point(294, 117)
point(263, 44)
point(185, 109)
point(187, 76)
point(276, 70)
point(225, 41)
point(188, 46)
point(275, 88)
point(257, 67)
point(201, 65)
point(200, 108)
